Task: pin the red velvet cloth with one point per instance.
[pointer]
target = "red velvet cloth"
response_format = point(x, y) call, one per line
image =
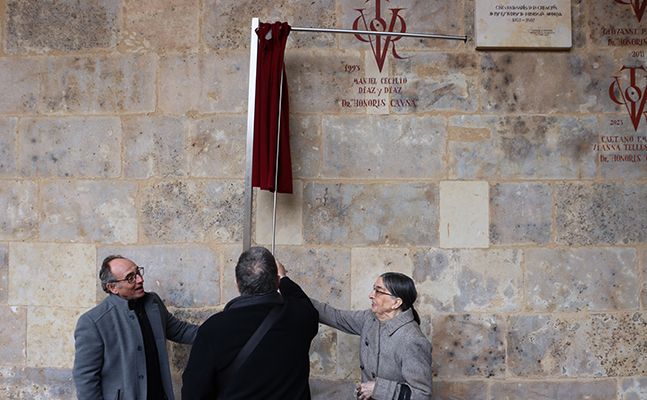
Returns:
point(272, 39)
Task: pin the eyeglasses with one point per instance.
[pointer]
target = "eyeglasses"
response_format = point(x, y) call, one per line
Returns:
point(378, 291)
point(131, 277)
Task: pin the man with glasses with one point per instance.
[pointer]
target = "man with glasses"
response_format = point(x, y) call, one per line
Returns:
point(120, 343)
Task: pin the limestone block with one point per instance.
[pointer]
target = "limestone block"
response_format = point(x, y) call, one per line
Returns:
point(348, 356)
point(183, 276)
point(89, 211)
point(351, 214)
point(217, 147)
point(468, 346)
point(600, 214)
point(42, 274)
point(178, 211)
point(227, 23)
point(319, 82)
point(50, 336)
point(468, 280)
point(70, 147)
point(203, 83)
point(633, 389)
point(378, 147)
point(323, 357)
point(523, 147)
point(643, 261)
point(36, 383)
point(8, 130)
point(19, 200)
point(338, 389)
point(582, 279)
point(434, 16)
point(305, 146)
point(618, 342)
point(555, 82)
point(591, 390)
point(464, 214)
point(100, 84)
point(520, 213)
point(472, 390)
point(68, 25)
point(438, 81)
point(367, 264)
point(620, 127)
point(20, 85)
point(155, 147)
point(228, 255)
point(545, 346)
point(606, 17)
point(13, 332)
point(160, 24)
point(323, 273)
point(289, 214)
point(4, 274)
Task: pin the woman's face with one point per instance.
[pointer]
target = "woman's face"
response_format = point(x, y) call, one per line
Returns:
point(383, 304)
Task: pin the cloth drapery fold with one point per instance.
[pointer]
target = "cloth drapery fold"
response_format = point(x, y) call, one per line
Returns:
point(269, 101)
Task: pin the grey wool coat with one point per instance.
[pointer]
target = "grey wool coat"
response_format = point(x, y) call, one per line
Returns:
point(392, 352)
point(109, 362)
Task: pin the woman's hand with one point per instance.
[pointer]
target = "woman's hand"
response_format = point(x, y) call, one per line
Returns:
point(281, 269)
point(365, 390)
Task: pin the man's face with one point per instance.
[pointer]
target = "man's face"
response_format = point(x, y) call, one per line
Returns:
point(123, 269)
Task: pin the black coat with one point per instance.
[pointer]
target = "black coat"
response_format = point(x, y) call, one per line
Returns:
point(279, 366)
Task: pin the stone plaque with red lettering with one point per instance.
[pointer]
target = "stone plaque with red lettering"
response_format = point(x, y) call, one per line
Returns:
point(523, 24)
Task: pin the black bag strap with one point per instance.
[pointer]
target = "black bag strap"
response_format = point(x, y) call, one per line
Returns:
point(249, 347)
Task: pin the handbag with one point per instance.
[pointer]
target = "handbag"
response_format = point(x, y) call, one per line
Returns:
point(248, 348)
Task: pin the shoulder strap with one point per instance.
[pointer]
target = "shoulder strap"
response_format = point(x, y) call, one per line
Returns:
point(249, 347)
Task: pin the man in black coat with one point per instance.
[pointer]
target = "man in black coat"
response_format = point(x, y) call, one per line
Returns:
point(279, 366)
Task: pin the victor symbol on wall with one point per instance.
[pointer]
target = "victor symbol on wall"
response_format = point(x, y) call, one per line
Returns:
point(633, 97)
point(637, 5)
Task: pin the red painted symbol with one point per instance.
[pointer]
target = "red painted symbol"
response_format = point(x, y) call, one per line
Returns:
point(380, 44)
point(637, 5)
point(632, 97)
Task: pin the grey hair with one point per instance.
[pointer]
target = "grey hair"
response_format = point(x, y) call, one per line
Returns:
point(256, 272)
point(105, 274)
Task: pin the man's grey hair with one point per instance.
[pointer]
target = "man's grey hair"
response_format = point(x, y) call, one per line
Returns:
point(256, 272)
point(105, 274)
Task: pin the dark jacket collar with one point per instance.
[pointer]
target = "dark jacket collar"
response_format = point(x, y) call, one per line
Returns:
point(252, 300)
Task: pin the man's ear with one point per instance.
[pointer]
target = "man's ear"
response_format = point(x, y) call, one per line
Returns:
point(112, 288)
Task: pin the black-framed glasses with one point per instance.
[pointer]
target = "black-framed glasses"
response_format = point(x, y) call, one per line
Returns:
point(131, 277)
point(379, 291)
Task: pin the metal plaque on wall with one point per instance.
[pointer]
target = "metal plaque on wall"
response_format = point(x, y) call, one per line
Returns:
point(522, 24)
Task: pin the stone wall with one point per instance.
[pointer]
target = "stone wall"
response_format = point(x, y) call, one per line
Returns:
point(122, 130)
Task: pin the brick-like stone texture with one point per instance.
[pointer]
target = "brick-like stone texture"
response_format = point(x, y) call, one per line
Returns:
point(618, 342)
point(520, 213)
point(468, 346)
point(89, 211)
point(383, 147)
point(555, 82)
point(323, 354)
point(44, 274)
point(464, 217)
point(160, 25)
point(19, 202)
point(100, 84)
point(436, 81)
point(217, 147)
point(305, 146)
point(592, 390)
point(367, 264)
point(447, 390)
point(8, 135)
point(600, 214)
point(371, 214)
point(13, 340)
point(203, 83)
point(183, 276)
point(288, 227)
point(643, 262)
point(20, 85)
point(570, 280)
point(196, 211)
point(332, 389)
point(630, 146)
point(468, 280)
point(227, 23)
point(603, 16)
point(228, 255)
point(67, 25)
point(70, 147)
point(50, 342)
point(633, 389)
point(155, 147)
point(4, 274)
point(523, 147)
point(36, 383)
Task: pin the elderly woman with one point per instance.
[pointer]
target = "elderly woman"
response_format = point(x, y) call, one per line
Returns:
point(395, 356)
